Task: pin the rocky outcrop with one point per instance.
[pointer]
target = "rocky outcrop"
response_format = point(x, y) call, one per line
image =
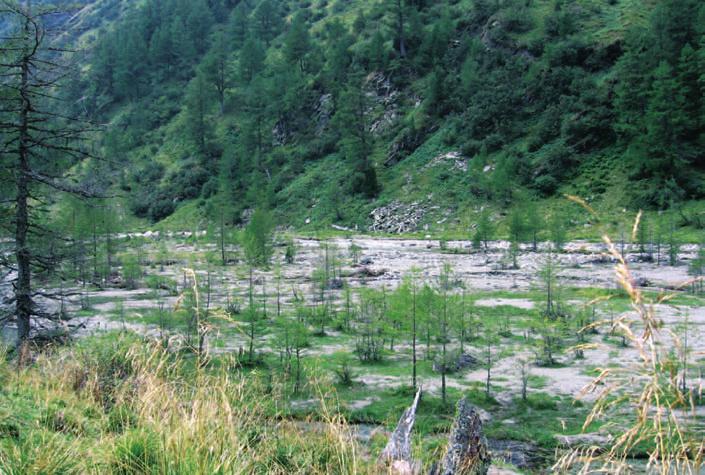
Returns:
point(382, 98)
point(397, 218)
point(281, 133)
point(323, 113)
point(316, 116)
point(403, 145)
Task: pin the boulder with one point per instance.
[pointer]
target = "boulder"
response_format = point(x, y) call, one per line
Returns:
point(522, 455)
point(458, 362)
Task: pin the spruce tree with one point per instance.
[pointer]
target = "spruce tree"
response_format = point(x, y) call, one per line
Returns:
point(197, 106)
point(665, 121)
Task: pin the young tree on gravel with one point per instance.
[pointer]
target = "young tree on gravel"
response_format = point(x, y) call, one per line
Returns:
point(517, 224)
point(534, 223)
point(557, 227)
point(645, 238)
point(413, 283)
point(524, 370)
point(489, 354)
point(405, 305)
point(445, 284)
point(369, 344)
point(257, 239)
point(257, 245)
point(697, 270)
point(484, 232)
point(462, 320)
point(673, 245)
point(426, 302)
point(550, 322)
point(547, 274)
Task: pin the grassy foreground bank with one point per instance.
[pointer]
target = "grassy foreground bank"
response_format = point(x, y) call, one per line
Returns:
point(122, 405)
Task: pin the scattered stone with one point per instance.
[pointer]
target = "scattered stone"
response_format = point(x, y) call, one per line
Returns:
point(368, 272)
point(581, 440)
point(336, 284)
point(458, 161)
point(494, 470)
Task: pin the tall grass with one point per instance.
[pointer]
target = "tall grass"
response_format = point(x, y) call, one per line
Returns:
point(124, 405)
point(643, 403)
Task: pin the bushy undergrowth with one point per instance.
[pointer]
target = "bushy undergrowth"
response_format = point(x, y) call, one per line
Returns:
point(119, 404)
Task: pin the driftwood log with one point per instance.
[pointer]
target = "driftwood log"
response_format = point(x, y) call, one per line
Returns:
point(467, 452)
point(396, 456)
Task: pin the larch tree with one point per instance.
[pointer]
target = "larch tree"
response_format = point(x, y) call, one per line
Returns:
point(197, 106)
point(39, 144)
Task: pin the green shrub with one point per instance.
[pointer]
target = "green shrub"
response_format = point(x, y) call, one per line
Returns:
point(120, 418)
point(137, 452)
point(541, 402)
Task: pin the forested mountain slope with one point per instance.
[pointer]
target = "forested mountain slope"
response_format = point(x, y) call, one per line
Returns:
point(326, 110)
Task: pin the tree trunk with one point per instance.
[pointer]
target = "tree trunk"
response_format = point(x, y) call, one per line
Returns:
point(400, 28)
point(23, 287)
point(397, 453)
point(413, 338)
point(467, 447)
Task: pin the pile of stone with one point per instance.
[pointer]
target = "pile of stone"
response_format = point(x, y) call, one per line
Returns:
point(397, 218)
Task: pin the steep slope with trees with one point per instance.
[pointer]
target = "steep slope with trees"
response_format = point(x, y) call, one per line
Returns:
point(329, 109)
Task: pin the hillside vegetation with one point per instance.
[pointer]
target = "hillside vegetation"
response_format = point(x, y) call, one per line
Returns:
point(326, 110)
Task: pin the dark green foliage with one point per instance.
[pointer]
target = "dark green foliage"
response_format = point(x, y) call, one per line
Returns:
point(356, 142)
